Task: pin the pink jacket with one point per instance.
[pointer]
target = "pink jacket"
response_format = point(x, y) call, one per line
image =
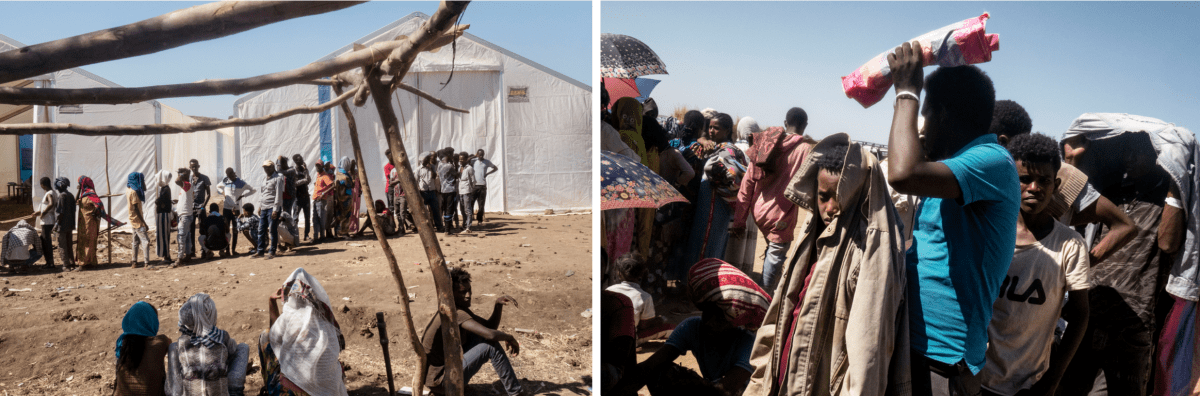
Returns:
point(765, 192)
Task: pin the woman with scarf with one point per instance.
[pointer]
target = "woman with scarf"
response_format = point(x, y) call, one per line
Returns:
point(162, 216)
point(619, 224)
point(355, 198)
point(722, 165)
point(136, 196)
point(65, 227)
point(140, 352)
point(299, 355)
point(345, 192)
point(205, 360)
point(91, 211)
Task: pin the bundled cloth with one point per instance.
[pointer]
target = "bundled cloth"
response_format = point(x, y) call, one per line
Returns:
point(306, 338)
point(715, 281)
point(962, 43)
point(1178, 155)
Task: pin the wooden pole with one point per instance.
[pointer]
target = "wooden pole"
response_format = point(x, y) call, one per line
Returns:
point(162, 129)
point(170, 30)
point(387, 357)
point(418, 348)
point(437, 262)
point(108, 190)
point(304, 75)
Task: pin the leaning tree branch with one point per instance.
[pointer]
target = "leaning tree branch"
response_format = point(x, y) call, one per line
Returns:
point(402, 58)
point(405, 309)
point(162, 129)
point(437, 102)
point(170, 30)
point(309, 74)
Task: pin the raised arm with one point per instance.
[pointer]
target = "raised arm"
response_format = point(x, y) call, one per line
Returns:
point(272, 307)
point(908, 171)
point(493, 322)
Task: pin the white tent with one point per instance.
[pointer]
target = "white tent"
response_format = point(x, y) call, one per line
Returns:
point(533, 122)
point(71, 156)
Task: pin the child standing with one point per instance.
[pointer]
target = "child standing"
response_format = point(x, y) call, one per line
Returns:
point(183, 208)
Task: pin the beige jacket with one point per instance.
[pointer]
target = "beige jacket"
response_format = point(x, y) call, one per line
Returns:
point(851, 337)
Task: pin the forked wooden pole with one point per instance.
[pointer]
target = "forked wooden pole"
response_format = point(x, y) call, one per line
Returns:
point(415, 340)
point(170, 30)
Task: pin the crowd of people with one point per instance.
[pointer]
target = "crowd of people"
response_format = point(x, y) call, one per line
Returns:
point(454, 190)
point(973, 258)
point(298, 354)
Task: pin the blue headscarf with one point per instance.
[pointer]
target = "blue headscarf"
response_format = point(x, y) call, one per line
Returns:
point(345, 166)
point(137, 183)
point(142, 320)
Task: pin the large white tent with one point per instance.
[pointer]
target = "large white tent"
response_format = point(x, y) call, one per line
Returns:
point(533, 122)
point(72, 156)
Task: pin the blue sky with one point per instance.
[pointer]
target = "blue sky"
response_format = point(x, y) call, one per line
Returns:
point(555, 34)
point(1058, 60)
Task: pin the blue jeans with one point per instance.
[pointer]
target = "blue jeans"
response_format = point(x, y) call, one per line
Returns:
point(430, 198)
point(267, 225)
point(477, 352)
point(465, 202)
point(776, 254)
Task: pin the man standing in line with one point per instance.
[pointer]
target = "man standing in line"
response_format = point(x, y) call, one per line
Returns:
point(483, 168)
point(302, 195)
point(447, 173)
point(201, 195)
point(270, 206)
point(774, 159)
point(47, 215)
point(966, 225)
point(184, 207)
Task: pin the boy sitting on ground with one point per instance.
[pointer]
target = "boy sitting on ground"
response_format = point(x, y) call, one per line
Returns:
point(480, 340)
point(247, 224)
point(632, 269)
point(1050, 259)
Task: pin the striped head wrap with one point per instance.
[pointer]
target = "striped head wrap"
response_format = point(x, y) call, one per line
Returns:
point(744, 302)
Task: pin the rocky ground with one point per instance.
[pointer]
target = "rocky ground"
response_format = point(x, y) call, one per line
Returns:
point(58, 329)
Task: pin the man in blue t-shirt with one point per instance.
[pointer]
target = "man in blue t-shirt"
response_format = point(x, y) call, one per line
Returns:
point(966, 225)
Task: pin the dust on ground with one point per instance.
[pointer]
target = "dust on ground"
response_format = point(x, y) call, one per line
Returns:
point(58, 337)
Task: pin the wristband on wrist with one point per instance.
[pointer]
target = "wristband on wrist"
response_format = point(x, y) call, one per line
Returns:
point(907, 94)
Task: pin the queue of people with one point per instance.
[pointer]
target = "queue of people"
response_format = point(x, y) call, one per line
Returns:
point(206, 226)
point(977, 258)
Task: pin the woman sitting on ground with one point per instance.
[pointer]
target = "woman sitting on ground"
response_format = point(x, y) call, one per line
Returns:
point(205, 360)
point(140, 352)
point(299, 354)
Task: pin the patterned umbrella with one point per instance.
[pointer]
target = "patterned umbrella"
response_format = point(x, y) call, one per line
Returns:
point(628, 184)
point(621, 87)
point(622, 56)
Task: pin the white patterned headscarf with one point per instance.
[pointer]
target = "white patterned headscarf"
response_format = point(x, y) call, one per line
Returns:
point(746, 126)
point(164, 177)
point(198, 322)
point(305, 337)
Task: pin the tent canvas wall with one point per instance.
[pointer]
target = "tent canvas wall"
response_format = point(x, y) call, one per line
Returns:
point(534, 123)
point(71, 156)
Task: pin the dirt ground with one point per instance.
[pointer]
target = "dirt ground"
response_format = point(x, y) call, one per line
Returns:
point(58, 330)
